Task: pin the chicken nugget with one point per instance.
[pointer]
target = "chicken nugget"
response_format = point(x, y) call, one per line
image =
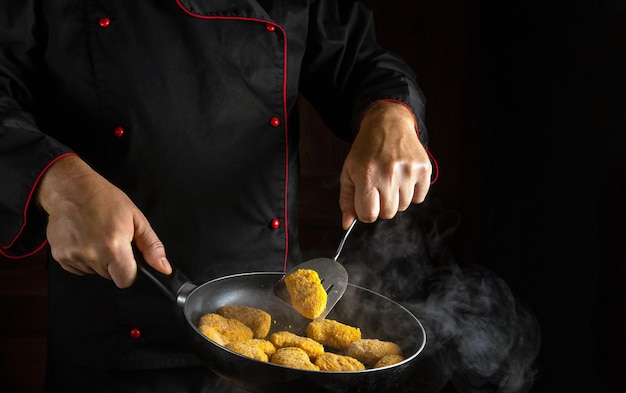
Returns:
point(333, 362)
point(369, 351)
point(256, 319)
point(264, 345)
point(246, 348)
point(212, 334)
point(308, 296)
point(285, 339)
point(332, 333)
point(229, 329)
point(388, 360)
point(293, 357)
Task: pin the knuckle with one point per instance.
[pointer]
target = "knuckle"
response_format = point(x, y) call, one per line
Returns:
point(388, 214)
point(368, 217)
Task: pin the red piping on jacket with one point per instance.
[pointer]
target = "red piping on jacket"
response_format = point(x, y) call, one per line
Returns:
point(286, 191)
point(435, 165)
point(28, 202)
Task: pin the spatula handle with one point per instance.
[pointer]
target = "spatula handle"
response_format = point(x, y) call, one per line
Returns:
point(343, 240)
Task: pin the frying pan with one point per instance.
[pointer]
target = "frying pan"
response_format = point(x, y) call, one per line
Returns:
point(376, 316)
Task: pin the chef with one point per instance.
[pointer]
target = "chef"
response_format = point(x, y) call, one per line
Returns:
point(171, 127)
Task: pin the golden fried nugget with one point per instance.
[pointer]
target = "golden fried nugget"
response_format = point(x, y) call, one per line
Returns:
point(369, 351)
point(332, 333)
point(293, 357)
point(246, 348)
point(388, 360)
point(264, 345)
point(333, 362)
point(285, 339)
point(256, 319)
point(308, 296)
point(229, 329)
point(212, 334)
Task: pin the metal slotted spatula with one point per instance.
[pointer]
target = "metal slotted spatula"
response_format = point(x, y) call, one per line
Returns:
point(333, 276)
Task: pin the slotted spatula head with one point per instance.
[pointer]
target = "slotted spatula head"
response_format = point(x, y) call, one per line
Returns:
point(333, 276)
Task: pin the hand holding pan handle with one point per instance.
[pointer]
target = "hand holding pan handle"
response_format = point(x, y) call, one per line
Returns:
point(176, 286)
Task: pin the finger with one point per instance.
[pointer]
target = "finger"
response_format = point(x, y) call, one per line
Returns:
point(346, 204)
point(74, 262)
point(420, 191)
point(389, 201)
point(367, 204)
point(151, 248)
point(422, 184)
point(123, 270)
point(95, 263)
point(72, 269)
point(347, 218)
point(89, 270)
point(405, 197)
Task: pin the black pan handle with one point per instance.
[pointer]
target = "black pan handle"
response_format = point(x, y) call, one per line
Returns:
point(176, 286)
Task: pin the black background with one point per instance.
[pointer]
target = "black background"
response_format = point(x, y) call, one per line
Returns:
point(526, 108)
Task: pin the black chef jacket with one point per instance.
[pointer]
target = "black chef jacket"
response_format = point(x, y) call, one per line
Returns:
point(189, 106)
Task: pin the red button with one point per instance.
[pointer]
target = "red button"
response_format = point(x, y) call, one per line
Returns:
point(275, 224)
point(104, 22)
point(274, 121)
point(270, 28)
point(135, 333)
point(118, 132)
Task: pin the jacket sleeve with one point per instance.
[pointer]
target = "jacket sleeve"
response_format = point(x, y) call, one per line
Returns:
point(25, 151)
point(345, 69)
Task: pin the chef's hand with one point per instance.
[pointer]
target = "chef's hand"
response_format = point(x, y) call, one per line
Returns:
point(92, 224)
point(387, 167)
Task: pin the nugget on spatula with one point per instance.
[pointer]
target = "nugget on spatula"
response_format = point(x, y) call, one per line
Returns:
point(308, 296)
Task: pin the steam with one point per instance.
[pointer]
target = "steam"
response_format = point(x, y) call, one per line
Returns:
point(480, 337)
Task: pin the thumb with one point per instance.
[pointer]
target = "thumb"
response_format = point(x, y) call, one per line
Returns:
point(346, 202)
point(152, 249)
